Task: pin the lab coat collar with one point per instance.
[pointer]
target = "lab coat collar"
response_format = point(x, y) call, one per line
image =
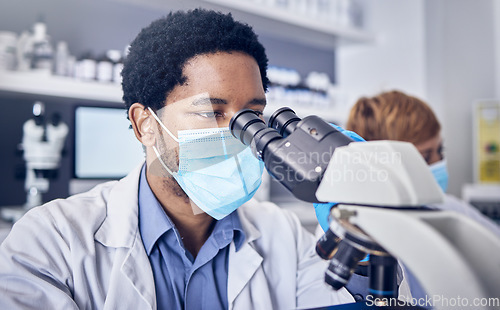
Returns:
point(251, 232)
point(120, 227)
point(247, 256)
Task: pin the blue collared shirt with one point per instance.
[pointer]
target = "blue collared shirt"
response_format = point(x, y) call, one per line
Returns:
point(181, 281)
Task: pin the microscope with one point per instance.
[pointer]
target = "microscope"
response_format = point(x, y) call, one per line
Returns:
point(380, 190)
point(42, 145)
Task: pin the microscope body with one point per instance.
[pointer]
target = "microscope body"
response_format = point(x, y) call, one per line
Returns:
point(454, 257)
point(381, 188)
point(42, 146)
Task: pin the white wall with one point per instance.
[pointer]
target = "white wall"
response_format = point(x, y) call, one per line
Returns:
point(461, 69)
point(395, 61)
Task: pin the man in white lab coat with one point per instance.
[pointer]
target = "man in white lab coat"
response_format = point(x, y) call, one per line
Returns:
point(180, 231)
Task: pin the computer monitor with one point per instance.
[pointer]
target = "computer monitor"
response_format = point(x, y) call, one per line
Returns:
point(104, 145)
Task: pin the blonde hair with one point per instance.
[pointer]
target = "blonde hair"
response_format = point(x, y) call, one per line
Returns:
point(393, 116)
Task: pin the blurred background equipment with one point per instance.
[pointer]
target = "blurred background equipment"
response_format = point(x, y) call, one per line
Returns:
point(484, 193)
point(487, 142)
point(105, 147)
point(42, 145)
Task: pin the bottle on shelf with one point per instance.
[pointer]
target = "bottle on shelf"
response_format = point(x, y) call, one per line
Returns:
point(86, 67)
point(117, 72)
point(71, 66)
point(43, 53)
point(61, 63)
point(116, 59)
point(119, 66)
point(104, 69)
point(24, 51)
point(8, 41)
point(288, 89)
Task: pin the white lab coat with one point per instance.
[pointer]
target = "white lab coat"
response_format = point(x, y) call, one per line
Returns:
point(86, 252)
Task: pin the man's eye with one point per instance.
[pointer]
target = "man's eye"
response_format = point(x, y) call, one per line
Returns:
point(210, 114)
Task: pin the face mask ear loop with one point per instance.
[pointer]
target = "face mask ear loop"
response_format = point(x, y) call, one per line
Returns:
point(163, 126)
point(161, 161)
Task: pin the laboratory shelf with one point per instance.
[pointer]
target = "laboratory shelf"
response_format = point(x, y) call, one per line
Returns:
point(45, 84)
point(294, 27)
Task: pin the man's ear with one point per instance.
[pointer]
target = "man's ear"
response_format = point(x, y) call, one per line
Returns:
point(142, 123)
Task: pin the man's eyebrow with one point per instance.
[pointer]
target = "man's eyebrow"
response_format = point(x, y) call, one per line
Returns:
point(207, 101)
point(262, 102)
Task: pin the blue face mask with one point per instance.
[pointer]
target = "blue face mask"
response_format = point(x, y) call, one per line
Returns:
point(440, 172)
point(216, 171)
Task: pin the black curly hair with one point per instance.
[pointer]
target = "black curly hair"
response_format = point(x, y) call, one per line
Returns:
point(158, 54)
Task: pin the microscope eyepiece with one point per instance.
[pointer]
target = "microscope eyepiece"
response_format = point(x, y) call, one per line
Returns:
point(284, 120)
point(245, 124)
point(250, 129)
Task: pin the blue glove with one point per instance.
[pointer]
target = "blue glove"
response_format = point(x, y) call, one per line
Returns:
point(350, 134)
point(323, 209)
